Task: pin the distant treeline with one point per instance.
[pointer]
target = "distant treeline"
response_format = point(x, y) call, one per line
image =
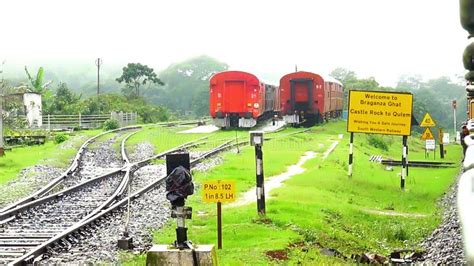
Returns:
point(182, 89)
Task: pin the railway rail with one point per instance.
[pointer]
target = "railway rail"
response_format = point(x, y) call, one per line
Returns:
point(29, 228)
point(425, 164)
point(73, 168)
point(76, 162)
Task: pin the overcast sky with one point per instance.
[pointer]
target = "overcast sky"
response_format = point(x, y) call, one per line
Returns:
point(380, 38)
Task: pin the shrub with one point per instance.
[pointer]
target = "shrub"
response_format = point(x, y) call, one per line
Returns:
point(377, 142)
point(111, 124)
point(60, 138)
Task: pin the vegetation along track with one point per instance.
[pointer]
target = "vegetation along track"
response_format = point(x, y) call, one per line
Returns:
point(27, 231)
point(72, 170)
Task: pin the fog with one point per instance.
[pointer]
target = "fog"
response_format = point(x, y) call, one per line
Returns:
point(383, 39)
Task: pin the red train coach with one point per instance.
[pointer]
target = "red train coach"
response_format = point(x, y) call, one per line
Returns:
point(308, 98)
point(240, 99)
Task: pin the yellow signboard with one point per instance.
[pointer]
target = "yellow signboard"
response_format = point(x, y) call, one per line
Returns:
point(471, 109)
point(427, 134)
point(427, 121)
point(378, 112)
point(218, 191)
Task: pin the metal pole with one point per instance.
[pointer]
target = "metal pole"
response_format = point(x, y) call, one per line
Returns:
point(351, 159)
point(98, 63)
point(441, 146)
point(404, 163)
point(219, 225)
point(181, 230)
point(260, 182)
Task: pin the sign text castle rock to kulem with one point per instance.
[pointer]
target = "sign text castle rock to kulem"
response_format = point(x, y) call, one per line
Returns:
point(378, 112)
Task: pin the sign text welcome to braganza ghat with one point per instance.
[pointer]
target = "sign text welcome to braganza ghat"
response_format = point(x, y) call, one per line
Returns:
point(377, 112)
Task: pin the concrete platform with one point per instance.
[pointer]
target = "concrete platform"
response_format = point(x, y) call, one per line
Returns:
point(168, 255)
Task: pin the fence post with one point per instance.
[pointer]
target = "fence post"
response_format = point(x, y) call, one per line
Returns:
point(49, 122)
point(80, 120)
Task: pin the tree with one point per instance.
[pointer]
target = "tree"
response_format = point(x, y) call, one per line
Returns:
point(37, 83)
point(39, 87)
point(134, 75)
point(63, 101)
point(187, 85)
point(410, 82)
point(343, 75)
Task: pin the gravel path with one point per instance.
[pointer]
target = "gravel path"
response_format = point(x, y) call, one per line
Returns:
point(99, 158)
point(444, 246)
point(143, 150)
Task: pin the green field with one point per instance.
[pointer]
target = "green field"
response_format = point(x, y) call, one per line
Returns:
point(48, 154)
point(322, 207)
point(319, 208)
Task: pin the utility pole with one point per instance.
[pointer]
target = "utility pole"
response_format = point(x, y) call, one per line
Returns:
point(98, 63)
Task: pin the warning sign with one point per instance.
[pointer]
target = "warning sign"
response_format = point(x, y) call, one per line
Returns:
point(378, 112)
point(427, 121)
point(218, 191)
point(427, 134)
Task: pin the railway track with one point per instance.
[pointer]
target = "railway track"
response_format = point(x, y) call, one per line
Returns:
point(29, 228)
point(424, 164)
point(72, 170)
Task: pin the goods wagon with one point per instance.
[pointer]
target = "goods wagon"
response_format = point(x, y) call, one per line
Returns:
point(240, 99)
point(308, 98)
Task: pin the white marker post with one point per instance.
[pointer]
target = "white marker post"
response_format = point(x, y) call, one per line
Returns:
point(404, 163)
point(256, 139)
point(351, 159)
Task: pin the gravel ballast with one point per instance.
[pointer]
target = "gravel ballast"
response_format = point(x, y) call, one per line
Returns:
point(149, 212)
point(445, 246)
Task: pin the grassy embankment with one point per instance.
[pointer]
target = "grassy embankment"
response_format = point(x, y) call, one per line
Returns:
point(323, 207)
point(48, 154)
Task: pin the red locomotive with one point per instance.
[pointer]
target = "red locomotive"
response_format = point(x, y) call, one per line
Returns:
point(240, 99)
point(307, 98)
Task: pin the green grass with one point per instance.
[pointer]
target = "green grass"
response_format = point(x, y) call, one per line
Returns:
point(49, 153)
point(322, 207)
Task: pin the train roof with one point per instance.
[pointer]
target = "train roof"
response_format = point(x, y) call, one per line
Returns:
point(231, 72)
point(326, 78)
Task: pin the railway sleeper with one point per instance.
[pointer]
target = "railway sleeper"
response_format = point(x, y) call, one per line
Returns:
point(20, 244)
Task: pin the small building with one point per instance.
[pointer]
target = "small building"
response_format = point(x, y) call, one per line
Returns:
point(29, 105)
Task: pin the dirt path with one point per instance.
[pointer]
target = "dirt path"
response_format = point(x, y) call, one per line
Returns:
point(277, 181)
point(392, 213)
